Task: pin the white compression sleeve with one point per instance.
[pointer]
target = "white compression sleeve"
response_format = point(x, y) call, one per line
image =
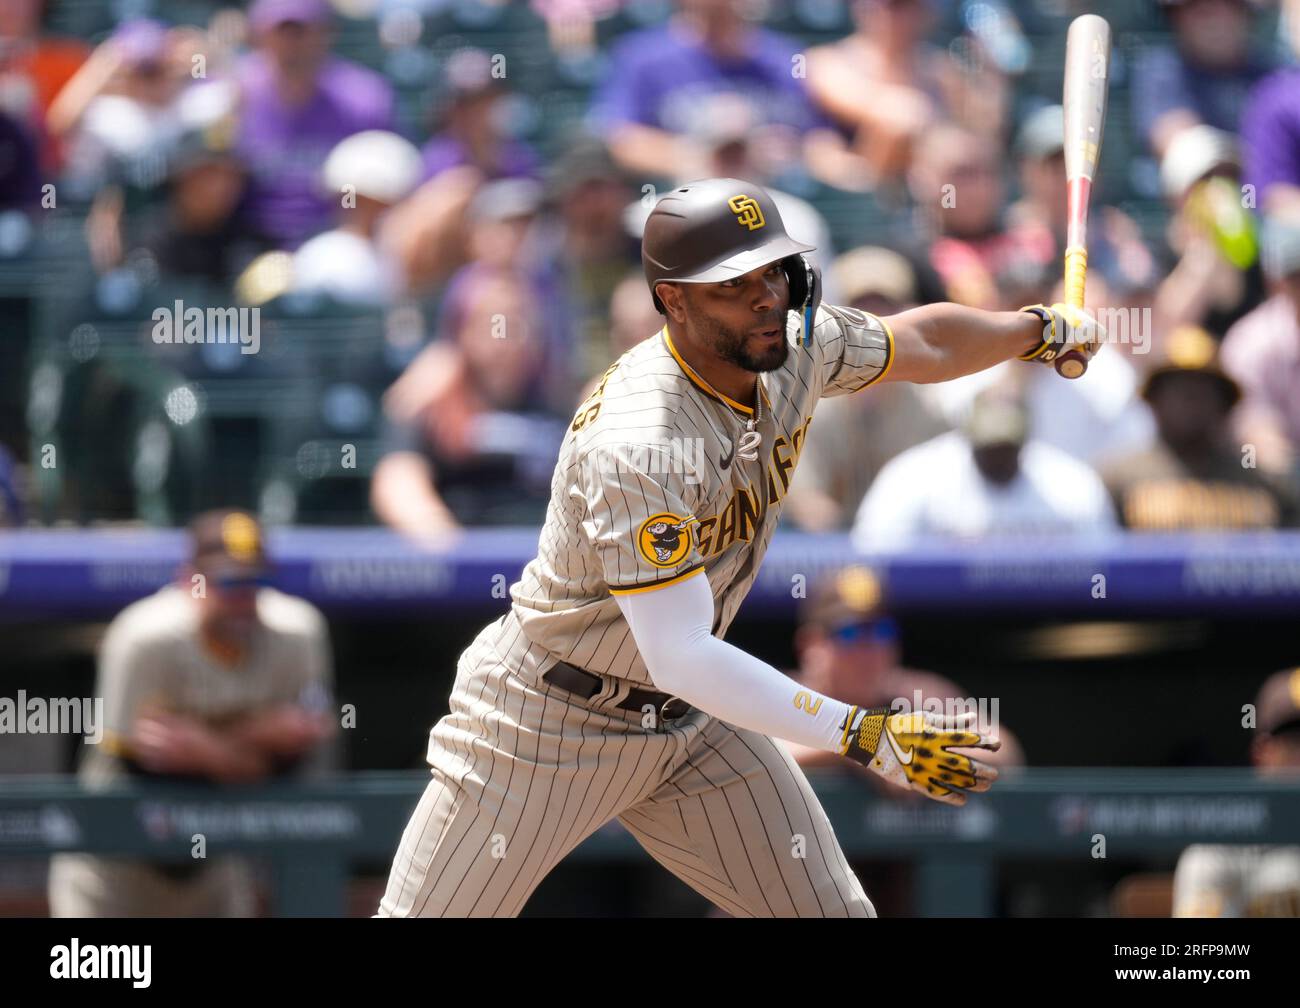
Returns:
point(673, 629)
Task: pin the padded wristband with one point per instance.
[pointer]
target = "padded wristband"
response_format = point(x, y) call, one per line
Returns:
point(1046, 316)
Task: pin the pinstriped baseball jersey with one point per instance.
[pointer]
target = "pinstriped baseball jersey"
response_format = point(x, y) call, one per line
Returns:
point(653, 485)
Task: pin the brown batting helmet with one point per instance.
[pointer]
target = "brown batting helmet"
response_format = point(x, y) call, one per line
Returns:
point(716, 229)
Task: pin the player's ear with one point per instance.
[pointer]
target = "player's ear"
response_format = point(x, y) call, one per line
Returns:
point(673, 298)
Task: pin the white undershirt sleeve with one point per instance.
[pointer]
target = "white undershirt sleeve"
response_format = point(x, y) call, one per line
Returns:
point(673, 629)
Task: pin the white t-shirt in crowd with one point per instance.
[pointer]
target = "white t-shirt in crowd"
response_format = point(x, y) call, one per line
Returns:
point(935, 491)
point(345, 266)
point(1095, 418)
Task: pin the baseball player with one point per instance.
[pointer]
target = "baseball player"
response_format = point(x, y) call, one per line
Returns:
point(607, 689)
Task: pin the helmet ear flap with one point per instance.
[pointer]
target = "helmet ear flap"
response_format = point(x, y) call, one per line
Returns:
point(805, 292)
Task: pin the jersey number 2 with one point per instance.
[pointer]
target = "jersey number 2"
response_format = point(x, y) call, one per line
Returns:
point(805, 702)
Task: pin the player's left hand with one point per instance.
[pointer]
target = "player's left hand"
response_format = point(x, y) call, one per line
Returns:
point(914, 751)
point(1065, 327)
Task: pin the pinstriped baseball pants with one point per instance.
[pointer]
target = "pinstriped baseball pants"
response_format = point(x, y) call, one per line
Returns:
point(524, 771)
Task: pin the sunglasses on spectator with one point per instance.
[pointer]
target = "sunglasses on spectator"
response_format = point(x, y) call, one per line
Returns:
point(236, 582)
point(878, 631)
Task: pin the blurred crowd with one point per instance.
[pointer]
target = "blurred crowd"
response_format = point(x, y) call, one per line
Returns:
point(448, 230)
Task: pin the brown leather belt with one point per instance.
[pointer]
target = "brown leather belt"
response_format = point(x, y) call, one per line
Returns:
point(588, 684)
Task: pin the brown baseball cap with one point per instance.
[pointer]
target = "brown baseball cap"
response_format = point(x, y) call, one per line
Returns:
point(871, 270)
point(996, 418)
point(1191, 349)
point(228, 544)
point(851, 595)
point(1277, 708)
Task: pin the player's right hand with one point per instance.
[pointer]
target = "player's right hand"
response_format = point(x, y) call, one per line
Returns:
point(1065, 327)
point(914, 751)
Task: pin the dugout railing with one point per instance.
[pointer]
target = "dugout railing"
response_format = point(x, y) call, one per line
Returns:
point(312, 833)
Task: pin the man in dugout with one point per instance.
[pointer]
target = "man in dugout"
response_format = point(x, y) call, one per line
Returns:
point(1251, 880)
point(215, 679)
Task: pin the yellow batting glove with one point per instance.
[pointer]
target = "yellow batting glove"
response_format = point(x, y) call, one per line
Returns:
point(1065, 327)
point(912, 750)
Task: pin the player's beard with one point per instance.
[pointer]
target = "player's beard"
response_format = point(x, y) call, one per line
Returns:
point(734, 346)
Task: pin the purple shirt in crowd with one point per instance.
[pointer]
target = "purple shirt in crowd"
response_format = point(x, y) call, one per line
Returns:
point(1270, 132)
point(1163, 81)
point(20, 176)
point(285, 148)
point(514, 159)
point(660, 76)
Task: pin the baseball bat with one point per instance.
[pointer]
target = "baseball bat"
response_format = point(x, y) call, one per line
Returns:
point(1087, 70)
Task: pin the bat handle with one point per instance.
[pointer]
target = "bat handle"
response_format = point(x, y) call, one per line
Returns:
point(1076, 274)
point(1072, 364)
